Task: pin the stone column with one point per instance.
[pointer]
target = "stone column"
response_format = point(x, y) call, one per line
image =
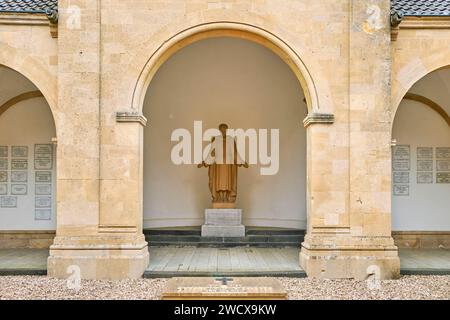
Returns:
point(100, 244)
point(356, 242)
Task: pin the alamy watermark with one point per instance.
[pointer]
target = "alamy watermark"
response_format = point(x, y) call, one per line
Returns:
point(263, 147)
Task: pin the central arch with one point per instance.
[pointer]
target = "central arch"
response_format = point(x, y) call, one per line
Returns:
point(225, 29)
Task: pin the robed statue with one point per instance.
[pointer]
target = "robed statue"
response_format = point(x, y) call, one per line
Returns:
point(222, 162)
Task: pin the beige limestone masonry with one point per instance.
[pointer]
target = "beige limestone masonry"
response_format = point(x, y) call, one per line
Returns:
point(343, 58)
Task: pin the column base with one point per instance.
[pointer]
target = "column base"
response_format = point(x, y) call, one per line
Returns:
point(350, 261)
point(98, 261)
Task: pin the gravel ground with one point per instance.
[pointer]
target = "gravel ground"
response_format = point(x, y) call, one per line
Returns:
point(408, 287)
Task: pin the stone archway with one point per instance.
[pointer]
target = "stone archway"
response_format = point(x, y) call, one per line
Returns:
point(32, 69)
point(28, 163)
point(421, 128)
point(226, 29)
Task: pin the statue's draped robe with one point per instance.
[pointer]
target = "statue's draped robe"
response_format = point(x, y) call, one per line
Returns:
point(223, 159)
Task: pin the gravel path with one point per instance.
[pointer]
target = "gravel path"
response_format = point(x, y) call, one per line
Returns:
point(408, 287)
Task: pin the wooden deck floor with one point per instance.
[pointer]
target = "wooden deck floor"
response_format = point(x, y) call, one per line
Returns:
point(187, 260)
point(238, 259)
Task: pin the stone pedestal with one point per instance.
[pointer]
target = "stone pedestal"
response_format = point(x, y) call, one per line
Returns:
point(223, 223)
point(336, 257)
point(99, 257)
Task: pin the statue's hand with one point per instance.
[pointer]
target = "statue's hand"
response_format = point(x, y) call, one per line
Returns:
point(203, 164)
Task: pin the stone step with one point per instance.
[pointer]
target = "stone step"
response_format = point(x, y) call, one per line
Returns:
point(254, 237)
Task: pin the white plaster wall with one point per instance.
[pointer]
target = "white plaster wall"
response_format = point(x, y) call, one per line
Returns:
point(25, 124)
point(428, 206)
point(247, 86)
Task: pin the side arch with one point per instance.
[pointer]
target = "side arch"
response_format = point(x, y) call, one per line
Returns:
point(412, 72)
point(429, 103)
point(34, 71)
point(225, 29)
point(21, 97)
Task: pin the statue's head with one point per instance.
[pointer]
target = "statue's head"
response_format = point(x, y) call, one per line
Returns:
point(223, 127)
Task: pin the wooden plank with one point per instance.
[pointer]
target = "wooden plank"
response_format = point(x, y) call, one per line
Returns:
point(223, 260)
point(187, 260)
point(235, 262)
point(202, 259)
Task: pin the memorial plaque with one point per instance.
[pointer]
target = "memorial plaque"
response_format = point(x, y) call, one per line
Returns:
point(424, 177)
point(43, 189)
point(401, 177)
point(3, 164)
point(19, 189)
point(3, 151)
point(19, 151)
point(19, 164)
point(400, 165)
point(443, 177)
point(424, 152)
point(8, 202)
point(402, 152)
point(401, 190)
point(443, 165)
point(424, 165)
point(202, 288)
point(43, 148)
point(43, 202)
point(43, 176)
point(43, 163)
point(3, 189)
point(443, 153)
point(19, 176)
point(3, 176)
point(43, 214)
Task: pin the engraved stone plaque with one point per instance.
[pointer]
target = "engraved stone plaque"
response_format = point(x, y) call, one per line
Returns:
point(43, 176)
point(43, 189)
point(424, 152)
point(43, 202)
point(240, 288)
point(8, 202)
point(401, 158)
point(443, 165)
point(401, 190)
point(43, 156)
point(3, 189)
point(424, 177)
point(400, 165)
point(19, 189)
point(19, 151)
point(402, 152)
point(401, 177)
point(43, 148)
point(19, 164)
point(3, 176)
point(43, 163)
point(43, 214)
point(3, 164)
point(424, 165)
point(443, 177)
point(443, 153)
point(3, 151)
point(19, 176)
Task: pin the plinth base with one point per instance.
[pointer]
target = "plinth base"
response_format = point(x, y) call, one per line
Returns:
point(223, 223)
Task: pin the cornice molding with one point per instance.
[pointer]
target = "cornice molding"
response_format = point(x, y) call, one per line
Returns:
point(322, 118)
point(32, 19)
point(131, 117)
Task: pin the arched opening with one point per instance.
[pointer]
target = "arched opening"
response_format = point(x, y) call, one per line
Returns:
point(421, 165)
point(224, 79)
point(27, 164)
